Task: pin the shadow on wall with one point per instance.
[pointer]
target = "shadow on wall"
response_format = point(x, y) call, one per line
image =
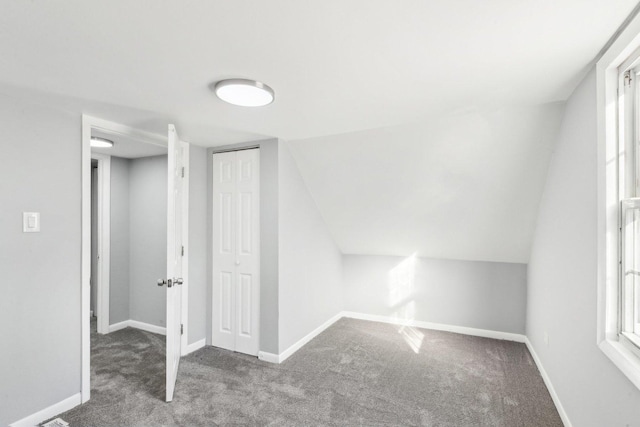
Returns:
point(401, 283)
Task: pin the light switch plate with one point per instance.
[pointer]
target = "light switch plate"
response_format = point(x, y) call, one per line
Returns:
point(31, 222)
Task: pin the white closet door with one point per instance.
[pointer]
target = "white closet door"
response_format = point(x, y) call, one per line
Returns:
point(247, 251)
point(224, 250)
point(236, 244)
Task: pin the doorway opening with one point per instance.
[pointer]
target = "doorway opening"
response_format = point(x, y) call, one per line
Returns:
point(134, 228)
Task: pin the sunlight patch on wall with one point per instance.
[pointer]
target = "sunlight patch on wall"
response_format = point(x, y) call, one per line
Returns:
point(401, 284)
point(402, 281)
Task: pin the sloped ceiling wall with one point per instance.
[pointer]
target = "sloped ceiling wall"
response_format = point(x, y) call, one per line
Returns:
point(462, 186)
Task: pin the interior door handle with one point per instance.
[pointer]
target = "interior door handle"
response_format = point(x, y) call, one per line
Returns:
point(162, 282)
point(178, 281)
point(237, 262)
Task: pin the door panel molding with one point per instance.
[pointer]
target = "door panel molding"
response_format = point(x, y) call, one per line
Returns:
point(236, 250)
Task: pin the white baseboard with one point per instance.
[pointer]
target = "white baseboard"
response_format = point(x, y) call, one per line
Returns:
point(279, 358)
point(118, 326)
point(269, 357)
point(547, 381)
point(49, 412)
point(311, 335)
point(148, 327)
point(508, 336)
point(138, 325)
point(195, 346)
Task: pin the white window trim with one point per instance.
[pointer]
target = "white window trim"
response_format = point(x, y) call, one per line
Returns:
point(621, 353)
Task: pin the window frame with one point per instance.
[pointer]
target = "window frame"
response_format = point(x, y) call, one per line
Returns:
point(612, 181)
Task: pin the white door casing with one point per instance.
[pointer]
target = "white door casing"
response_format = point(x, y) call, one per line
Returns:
point(236, 251)
point(175, 190)
point(88, 125)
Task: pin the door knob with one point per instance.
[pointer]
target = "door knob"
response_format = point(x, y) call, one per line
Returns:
point(237, 262)
point(168, 282)
point(177, 281)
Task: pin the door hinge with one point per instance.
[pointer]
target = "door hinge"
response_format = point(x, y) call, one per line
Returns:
point(181, 329)
point(182, 251)
point(627, 78)
point(183, 171)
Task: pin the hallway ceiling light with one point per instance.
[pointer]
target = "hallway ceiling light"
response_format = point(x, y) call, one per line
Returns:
point(98, 142)
point(245, 93)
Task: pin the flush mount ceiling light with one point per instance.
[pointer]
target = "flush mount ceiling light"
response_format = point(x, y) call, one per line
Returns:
point(98, 142)
point(245, 93)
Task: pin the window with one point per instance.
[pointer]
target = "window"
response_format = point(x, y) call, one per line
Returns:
point(629, 194)
point(618, 85)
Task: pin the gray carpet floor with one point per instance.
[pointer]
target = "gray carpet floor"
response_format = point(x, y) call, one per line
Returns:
point(356, 373)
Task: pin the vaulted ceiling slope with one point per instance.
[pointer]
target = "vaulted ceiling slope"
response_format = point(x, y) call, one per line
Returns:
point(464, 186)
point(419, 126)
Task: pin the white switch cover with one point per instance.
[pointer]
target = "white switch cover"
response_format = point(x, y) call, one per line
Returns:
point(31, 222)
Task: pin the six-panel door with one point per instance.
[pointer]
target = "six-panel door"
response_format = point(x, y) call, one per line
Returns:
point(236, 244)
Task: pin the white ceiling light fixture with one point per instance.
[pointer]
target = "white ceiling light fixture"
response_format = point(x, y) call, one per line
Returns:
point(244, 92)
point(98, 142)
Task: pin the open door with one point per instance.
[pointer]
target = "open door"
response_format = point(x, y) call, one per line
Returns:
point(175, 193)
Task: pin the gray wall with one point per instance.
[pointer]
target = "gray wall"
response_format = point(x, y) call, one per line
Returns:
point(148, 239)
point(197, 329)
point(562, 296)
point(310, 264)
point(120, 241)
point(474, 294)
point(138, 239)
point(40, 303)
point(268, 240)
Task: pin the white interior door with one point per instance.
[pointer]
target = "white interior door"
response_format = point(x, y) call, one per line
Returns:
point(175, 190)
point(236, 251)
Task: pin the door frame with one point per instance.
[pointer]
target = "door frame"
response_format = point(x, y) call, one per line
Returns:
point(104, 239)
point(88, 124)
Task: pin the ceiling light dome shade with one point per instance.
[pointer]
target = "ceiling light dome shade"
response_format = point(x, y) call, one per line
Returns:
point(98, 142)
point(245, 93)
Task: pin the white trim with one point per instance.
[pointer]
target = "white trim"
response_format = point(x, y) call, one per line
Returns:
point(486, 333)
point(49, 412)
point(85, 254)
point(138, 325)
point(623, 358)
point(279, 358)
point(269, 357)
point(184, 343)
point(608, 151)
point(311, 335)
point(120, 325)
point(89, 123)
point(195, 346)
point(148, 327)
point(547, 382)
point(104, 240)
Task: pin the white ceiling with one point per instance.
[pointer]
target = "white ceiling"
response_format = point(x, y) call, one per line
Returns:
point(418, 125)
point(336, 66)
point(128, 147)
